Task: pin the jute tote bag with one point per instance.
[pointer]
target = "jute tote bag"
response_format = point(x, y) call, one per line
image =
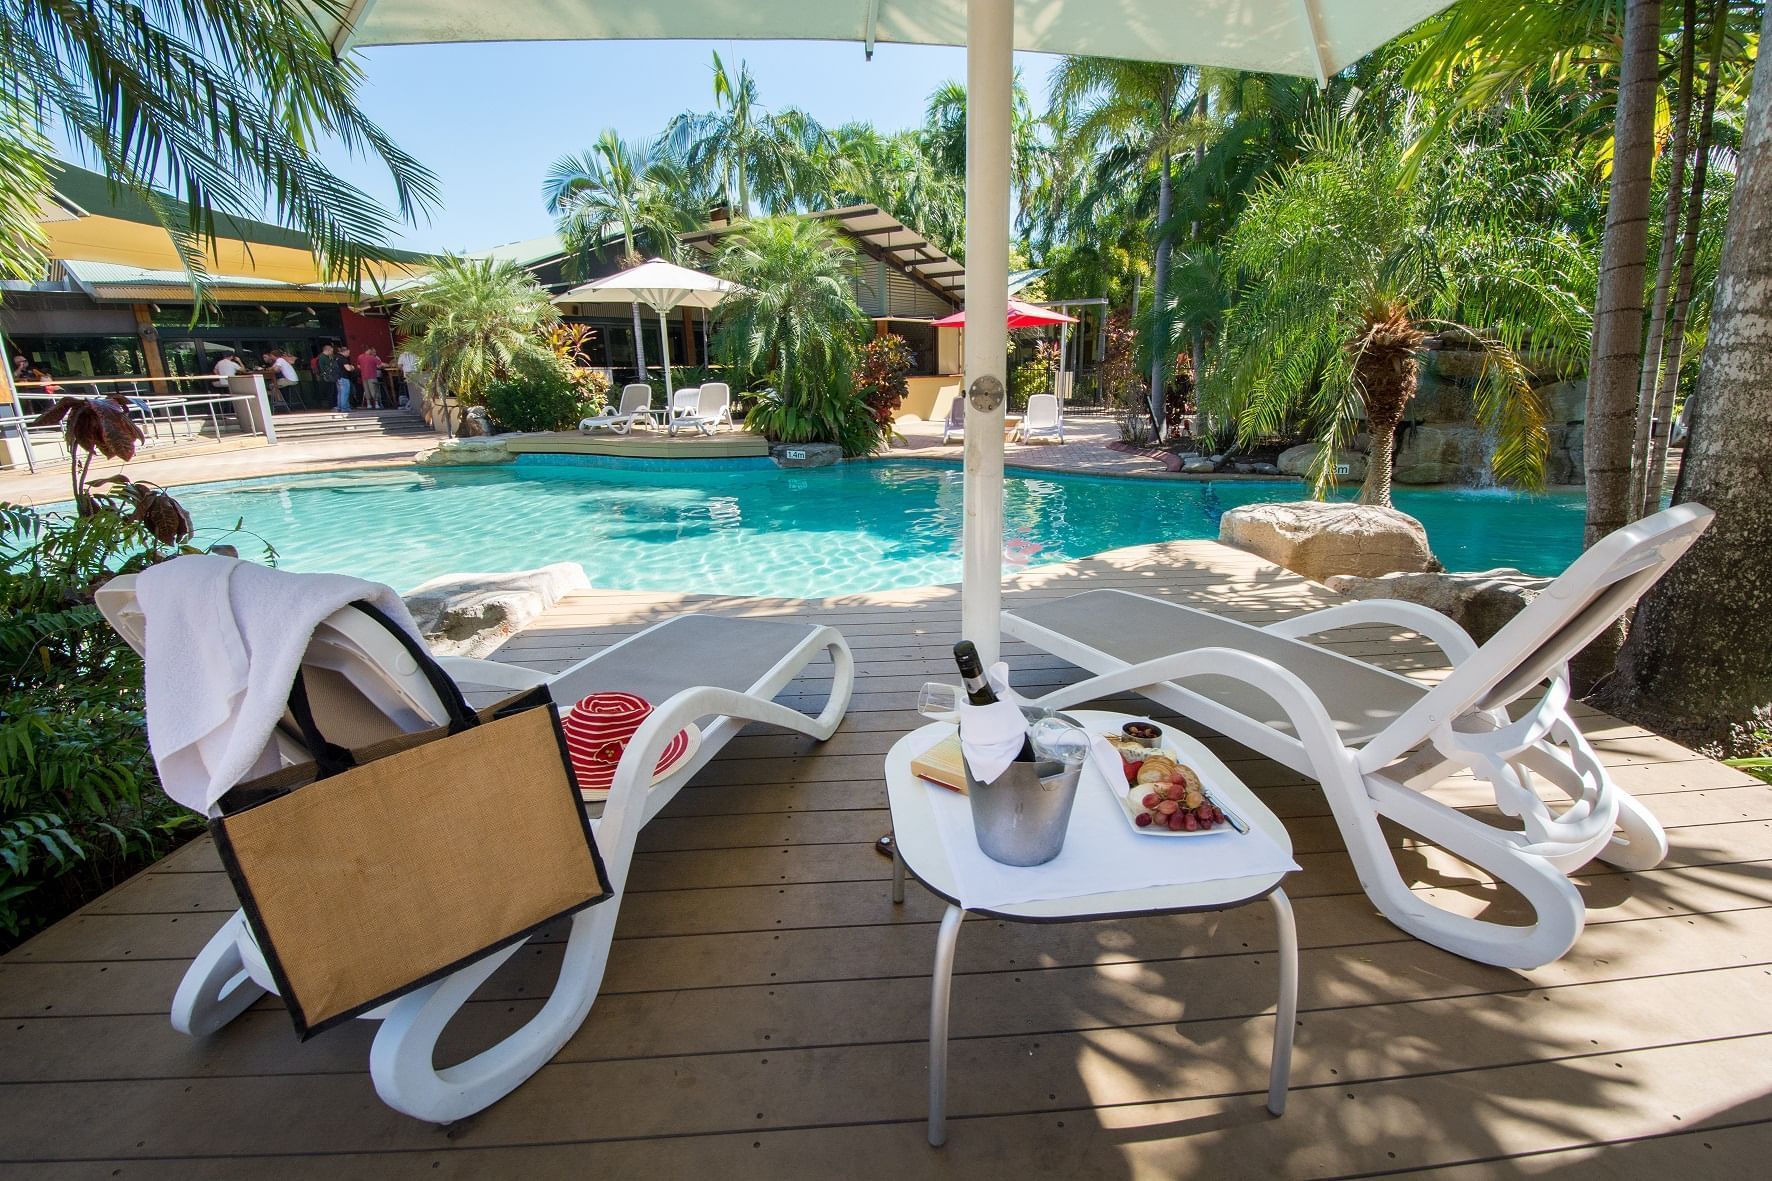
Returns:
point(375, 871)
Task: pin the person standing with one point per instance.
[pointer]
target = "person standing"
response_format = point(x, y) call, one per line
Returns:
point(408, 362)
point(369, 365)
point(330, 370)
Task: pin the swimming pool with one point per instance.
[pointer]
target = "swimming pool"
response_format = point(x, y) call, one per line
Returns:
point(749, 528)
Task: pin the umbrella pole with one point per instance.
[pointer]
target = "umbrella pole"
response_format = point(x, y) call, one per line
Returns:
point(664, 350)
point(990, 27)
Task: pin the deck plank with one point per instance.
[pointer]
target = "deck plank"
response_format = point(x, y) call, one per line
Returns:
point(765, 1006)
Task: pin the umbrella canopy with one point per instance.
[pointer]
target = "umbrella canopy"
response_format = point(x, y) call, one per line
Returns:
point(661, 286)
point(1309, 38)
point(1021, 315)
point(658, 284)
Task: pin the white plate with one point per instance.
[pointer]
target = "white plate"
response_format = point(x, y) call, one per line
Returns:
point(1112, 770)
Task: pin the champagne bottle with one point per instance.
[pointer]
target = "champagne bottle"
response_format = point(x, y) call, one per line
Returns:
point(979, 691)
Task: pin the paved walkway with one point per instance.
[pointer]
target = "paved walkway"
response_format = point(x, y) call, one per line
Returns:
point(1085, 448)
point(228, 460)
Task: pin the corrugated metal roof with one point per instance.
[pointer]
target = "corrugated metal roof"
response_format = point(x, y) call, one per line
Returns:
point(112, 281)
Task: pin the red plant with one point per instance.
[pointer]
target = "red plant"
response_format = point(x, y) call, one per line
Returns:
point(92, 427)
point(154, 508)
point(879, 376)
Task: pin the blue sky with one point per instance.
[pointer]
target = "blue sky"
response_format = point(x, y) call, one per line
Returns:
point(490, 119)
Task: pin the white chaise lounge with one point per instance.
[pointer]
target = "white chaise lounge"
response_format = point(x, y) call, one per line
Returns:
point(1044, 419)
point(718, 673)
point(1378, 741)
point(635, 408)
point(713, 409)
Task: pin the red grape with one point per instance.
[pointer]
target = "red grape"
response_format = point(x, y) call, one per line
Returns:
point(1143, 820)
point(1150, 799)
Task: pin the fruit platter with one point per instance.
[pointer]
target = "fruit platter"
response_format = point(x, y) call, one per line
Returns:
point(1160, 794)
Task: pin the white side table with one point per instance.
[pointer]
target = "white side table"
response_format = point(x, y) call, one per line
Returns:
point(917, 845)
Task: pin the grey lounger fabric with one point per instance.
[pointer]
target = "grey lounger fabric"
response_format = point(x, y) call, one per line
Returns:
point(688, 651)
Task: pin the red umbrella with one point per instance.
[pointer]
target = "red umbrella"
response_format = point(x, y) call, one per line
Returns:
point(1021, 315)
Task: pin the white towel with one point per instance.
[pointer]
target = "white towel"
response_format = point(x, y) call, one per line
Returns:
point(224, 638)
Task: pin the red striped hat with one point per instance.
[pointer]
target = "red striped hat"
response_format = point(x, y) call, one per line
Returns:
point(597, 730)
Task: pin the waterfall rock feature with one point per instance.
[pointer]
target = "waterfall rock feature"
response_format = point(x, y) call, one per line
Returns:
point(1319, 539)
point(1443, 454)
point(1481, 602)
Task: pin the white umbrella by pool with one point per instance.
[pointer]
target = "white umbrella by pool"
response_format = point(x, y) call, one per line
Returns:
point(661, 286)
point(1309, 38)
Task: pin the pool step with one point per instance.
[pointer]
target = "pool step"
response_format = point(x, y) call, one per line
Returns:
point(322, 424)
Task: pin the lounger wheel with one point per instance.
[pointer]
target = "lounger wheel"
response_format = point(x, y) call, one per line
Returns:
point(216, 987)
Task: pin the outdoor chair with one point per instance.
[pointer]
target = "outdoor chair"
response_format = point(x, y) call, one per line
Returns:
point(635, 407)
point(1377, 741)
point(685, 401)
point(364, 687)
point(713, 409)
point(1044, 419)
point(955, 426)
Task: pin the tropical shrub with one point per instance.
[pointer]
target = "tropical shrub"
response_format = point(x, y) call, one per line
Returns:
point(544, 400)
point(1122, 385)
point(797, 316)
point(879, 377)
point(570, 344)
point(476, 322)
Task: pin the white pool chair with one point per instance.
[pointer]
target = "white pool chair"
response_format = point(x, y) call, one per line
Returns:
point(713, 409)
point(954, 427)
point(635, 408)
point(1378, 741)
point(685, 401)
point(1044, 419)
point(718, 673)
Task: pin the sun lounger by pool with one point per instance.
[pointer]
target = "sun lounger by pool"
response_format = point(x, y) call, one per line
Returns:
point(635, 408)
point(717, 673)
point(1378, 741)
point(1044, 419)
point(713, 409)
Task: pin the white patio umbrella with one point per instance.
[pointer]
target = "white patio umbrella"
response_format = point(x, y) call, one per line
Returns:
point(1309, 38)
point(661, 286)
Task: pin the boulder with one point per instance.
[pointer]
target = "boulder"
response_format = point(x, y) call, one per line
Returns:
point(1567, 461)
point(1318, 538)
point(456, 452)
point(805, 454)
point(1440, 455)
point(1438, 400)
point(1296, 461)
point(471, 614)
point(1264, 469)
point(1481, 603)
point(1564, 401)
point(1456, 364)
point(1198, 465)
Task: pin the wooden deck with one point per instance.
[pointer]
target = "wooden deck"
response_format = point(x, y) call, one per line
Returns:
point(765, 1010)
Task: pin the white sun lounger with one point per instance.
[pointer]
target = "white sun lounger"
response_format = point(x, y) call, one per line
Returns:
point(1043, 419)
point(720, 674)
point(636, 407)
point(713, 409)
point(1377, 741)
point(954, 427)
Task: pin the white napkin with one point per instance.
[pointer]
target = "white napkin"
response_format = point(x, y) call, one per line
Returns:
point(991, 737)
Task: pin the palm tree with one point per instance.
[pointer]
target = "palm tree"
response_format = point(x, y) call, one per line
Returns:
point(474, 322)
point(797, 316)
point(899, 174)
point(1343, 265)
point(751, 153)
point(1695, 663)
point(1144, 108)
point(618, 187)
point(233, 103)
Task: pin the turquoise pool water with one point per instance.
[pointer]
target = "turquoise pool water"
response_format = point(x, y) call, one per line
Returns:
point(758, 530)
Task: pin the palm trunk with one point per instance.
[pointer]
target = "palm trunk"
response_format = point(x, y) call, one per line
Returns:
point(1661, 414)
point(639, 329)
point(1376, 488)
point(1159, 299)
point(1696, 659)
point(1664, 268)
point(1617, 354)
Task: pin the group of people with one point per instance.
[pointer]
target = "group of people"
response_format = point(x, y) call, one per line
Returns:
point(366, 380)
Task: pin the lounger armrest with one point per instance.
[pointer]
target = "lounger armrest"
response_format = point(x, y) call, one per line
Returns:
point(495, 674)
point(1451, 639)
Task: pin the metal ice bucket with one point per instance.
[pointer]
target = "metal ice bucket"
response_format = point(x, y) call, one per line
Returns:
point(1021, 818)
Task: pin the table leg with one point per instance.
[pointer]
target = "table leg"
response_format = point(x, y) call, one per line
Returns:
point(1286, 1012)
point(897, 874)
point(940, 987)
